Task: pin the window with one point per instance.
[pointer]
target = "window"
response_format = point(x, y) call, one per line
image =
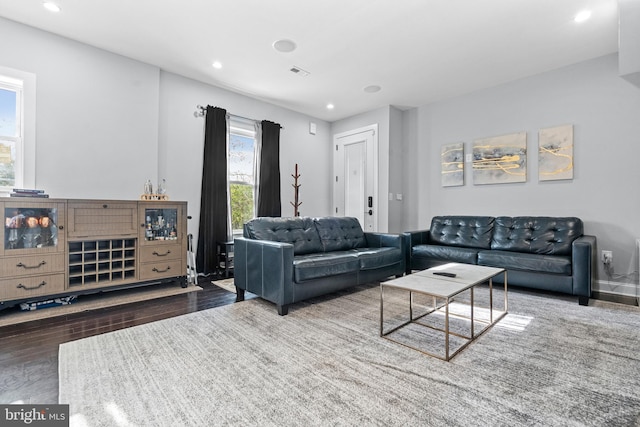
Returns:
point(242, 149)
point(11, 130)
point(17, 129)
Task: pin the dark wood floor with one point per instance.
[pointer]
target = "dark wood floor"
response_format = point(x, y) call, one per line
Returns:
point(29, 351)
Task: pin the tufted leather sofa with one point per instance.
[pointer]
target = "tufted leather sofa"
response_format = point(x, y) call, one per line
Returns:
point(550, 253)
point(287, 260)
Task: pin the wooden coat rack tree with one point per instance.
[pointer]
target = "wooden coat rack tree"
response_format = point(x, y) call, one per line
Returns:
point(296, 189)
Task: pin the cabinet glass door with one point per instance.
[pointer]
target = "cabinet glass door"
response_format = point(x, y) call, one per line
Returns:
point(161, 224)
point(29, 227)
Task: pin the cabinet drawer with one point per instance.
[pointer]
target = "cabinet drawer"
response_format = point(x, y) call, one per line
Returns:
point(107, 218)
point(30, 265)
point(161, 253)
point(161, 269)
point(27, 287)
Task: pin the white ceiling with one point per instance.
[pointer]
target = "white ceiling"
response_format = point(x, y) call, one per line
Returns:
point(418, 51)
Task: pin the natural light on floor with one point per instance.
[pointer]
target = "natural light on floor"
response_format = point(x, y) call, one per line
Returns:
point(513, 322)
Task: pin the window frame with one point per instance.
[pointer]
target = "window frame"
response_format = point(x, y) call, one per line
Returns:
point(16, 86)
point(244, 128)
point(25, 140)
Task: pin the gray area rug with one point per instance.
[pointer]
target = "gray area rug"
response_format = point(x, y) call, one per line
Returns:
point(550, 362)
point(226, 284)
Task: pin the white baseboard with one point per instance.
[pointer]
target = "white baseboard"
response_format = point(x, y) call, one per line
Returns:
point(618, 288)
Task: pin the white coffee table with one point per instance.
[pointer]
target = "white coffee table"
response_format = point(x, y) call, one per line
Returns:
point(426, 282)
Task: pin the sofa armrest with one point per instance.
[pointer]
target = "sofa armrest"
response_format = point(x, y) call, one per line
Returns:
point(388, 240)
point(411, 239)
point(264, 268)
point(381, 240)
point(583, 264)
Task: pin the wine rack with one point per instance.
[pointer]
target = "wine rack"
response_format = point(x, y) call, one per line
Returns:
point(99, 262)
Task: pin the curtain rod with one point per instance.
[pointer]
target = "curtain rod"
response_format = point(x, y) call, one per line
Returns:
point(203, 111)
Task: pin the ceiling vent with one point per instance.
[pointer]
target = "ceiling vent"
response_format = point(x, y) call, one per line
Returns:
point(299, 71)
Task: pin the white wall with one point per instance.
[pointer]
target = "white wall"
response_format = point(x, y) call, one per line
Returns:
point(629, 40)
point(396, 181)
point(96, 114)
point(182, 139)
point(604, 110)
point(105, 124)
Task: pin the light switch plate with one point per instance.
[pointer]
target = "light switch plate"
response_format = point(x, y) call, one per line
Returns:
point(312, 128)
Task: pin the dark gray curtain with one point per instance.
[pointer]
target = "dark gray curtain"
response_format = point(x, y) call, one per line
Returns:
point(269, 203)
point(213, 198)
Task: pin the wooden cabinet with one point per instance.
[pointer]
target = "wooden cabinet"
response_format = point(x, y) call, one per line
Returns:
point(58, 247)
point(93, 218)
point(32, 259)
point(162, 237)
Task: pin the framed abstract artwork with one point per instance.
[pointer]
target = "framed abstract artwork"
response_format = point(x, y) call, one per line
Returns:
point(500, 159)
point(555, 153)
point(452, 164)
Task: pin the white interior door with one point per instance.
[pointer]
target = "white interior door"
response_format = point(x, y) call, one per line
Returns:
point(355, 177)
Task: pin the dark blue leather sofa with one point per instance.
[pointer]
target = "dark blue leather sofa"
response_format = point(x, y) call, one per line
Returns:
point(287, 260)
point(550, 253)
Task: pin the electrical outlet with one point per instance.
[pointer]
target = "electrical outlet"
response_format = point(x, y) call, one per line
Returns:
point(607, 257)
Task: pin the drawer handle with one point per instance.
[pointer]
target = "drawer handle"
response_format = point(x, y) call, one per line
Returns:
point(161, 271)
point(31, 266)
point(165, 254)
point(26, 288)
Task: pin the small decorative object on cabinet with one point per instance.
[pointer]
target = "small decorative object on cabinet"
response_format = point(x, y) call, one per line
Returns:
point(149, 195)
point(148, 187)
point(162, 186)
point(60, 247)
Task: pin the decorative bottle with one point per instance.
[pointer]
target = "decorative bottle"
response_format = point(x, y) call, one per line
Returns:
point(162, 186)
point(148, 187)
point(149, 230)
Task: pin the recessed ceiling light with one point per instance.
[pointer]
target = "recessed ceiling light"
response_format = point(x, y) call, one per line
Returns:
point(582, 16)
point(372, 89)
point(51, 7)
point(217, 65)
point(284, 45)
point(330, 106)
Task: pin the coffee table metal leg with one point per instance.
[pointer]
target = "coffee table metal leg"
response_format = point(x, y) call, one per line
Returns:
point(410, 306)
point(446, 331)
point(506, 304)
point(381, 307)
point(491, 301)
point(472, 333)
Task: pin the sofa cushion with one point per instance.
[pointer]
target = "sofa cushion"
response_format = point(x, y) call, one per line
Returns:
point(314, 266)
point(462, 231)
point(537, 235)
point(299, 231)
point(340, 233)
point(371, 258)
point(446, 253)
point(526, 262)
